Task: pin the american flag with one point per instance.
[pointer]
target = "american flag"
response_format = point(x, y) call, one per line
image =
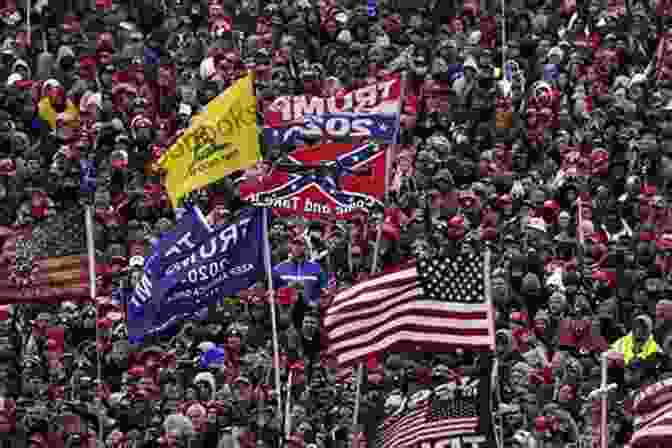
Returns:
point(652, 410)
point(436, 304)
point(433, 417)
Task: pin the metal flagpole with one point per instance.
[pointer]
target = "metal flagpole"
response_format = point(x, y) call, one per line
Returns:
point(379, 235)
point(602, 394)
point(604, 440)
point(388, 173)
point(504, 43)
point(358, 395)
point(274, 321)
point(288, 404)
point(29, 6)
point(91, 250)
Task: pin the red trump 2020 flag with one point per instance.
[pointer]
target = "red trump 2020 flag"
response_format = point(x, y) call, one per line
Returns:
point(435, 304)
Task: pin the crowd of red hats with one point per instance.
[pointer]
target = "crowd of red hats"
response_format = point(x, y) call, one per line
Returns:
point(537, 129)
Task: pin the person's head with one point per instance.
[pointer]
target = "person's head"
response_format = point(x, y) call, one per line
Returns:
point(299, 413)
point(204, 390)
point(470, 72)
point(310, 325)
point(242, 389)
point(642, 326)
point(115, 439)
point(297, 248)
point(557, 304)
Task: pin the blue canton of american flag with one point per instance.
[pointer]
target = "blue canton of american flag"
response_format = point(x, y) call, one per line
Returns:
point(457, 279)
point(431, 416)
point(381, 127)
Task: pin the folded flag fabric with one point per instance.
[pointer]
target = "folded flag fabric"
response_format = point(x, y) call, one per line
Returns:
point(184, 275)
point(453, 413)
point(652, 409)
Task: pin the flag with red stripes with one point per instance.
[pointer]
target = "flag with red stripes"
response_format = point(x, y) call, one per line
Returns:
point(434, 304)
point(47, 262)
point(449, 411)
point(652, 410)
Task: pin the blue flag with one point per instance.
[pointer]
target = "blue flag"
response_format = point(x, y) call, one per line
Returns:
point(214, 357)
point(190, 230)
point(181, 279)
point(380, 126)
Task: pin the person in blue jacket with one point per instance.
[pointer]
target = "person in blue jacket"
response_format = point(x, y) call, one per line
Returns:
point(298, 272)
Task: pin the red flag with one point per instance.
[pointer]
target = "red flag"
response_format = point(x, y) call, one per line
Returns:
point(351, 156)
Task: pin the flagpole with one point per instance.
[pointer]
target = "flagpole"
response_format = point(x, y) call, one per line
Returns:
point(488, 358)
point(91, 251)
point(603, 417)
point(274, 320)
point(29, 6)
point(288, 404)
point(379, 234)
point(358, 395)
point(504, 43)
point(388, 168)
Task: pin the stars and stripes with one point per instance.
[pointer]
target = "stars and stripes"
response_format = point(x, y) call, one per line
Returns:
point(432, 305)
point(433, 417)
point(454, 280)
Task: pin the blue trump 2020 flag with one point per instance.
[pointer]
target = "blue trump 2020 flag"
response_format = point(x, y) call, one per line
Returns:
point(190, 230)
point(181, 279)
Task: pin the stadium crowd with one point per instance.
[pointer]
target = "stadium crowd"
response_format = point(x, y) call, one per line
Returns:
point(542, 132)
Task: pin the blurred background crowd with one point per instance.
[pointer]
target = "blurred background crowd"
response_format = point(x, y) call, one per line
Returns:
point(538, 128)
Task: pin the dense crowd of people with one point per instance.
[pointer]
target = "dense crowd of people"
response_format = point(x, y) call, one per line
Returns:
point(540, 132)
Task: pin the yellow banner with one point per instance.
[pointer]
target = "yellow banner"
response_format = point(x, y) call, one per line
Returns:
point(222, 139)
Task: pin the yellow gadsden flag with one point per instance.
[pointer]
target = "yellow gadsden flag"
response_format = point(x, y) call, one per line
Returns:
point(220, 140)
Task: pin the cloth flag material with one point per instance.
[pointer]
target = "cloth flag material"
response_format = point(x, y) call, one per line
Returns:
point(285, 117)
point(652, 410)
point(47, 263)
point(436, 304)
point(432, 417)
point(200, 272)
point(314, 199)
point(379, 127)
point(221, 140)
point(367, 156)
point(191, 228)
point(289, 195)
